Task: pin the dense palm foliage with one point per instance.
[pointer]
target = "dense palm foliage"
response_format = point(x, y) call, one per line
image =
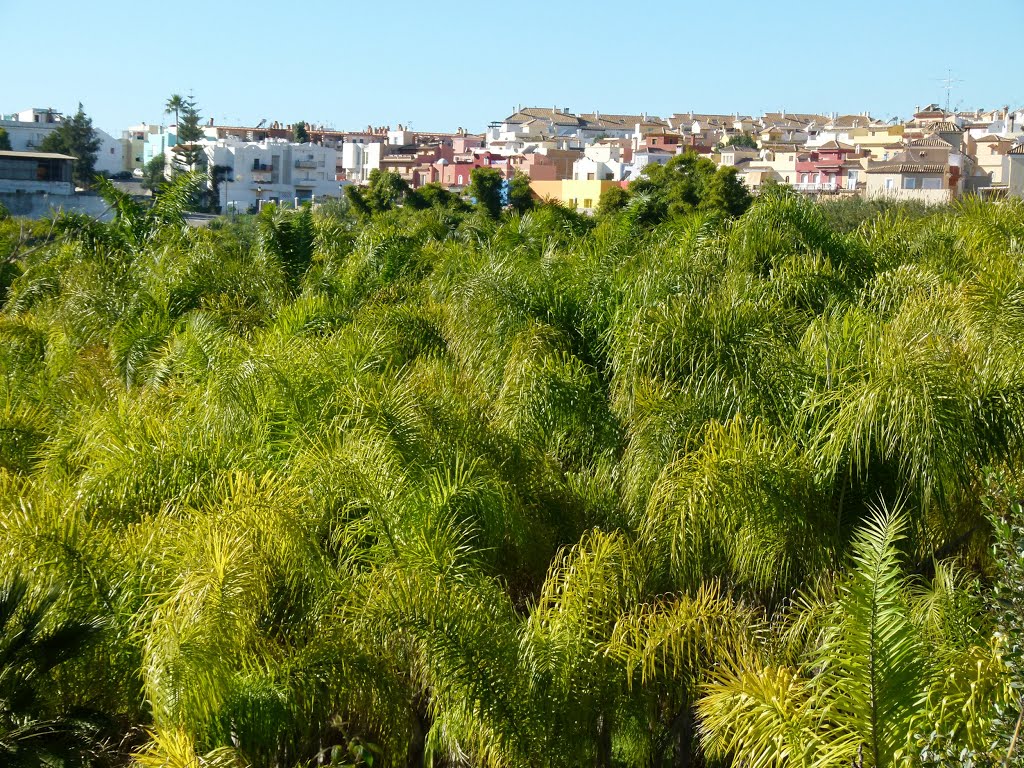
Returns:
point(400, 485)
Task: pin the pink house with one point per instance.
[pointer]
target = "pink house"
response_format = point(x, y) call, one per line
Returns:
point(827, 168)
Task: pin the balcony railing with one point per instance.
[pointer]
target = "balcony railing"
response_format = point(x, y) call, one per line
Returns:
point(306, 164)
point(262, 175)
point(816, 187)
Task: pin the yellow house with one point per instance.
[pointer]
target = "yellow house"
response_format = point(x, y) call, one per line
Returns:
point(875, 138)
point(581, 194)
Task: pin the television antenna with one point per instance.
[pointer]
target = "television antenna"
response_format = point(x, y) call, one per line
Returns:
point(948, 82)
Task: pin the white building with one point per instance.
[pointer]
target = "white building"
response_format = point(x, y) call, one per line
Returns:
point(600, 162)
point(273, 171)
point(358, 159)
point(30, 127)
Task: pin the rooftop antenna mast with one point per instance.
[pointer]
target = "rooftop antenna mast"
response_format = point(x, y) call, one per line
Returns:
point(948, 82)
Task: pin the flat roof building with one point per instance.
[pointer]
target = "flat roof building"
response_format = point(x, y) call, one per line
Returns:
point(31, 172)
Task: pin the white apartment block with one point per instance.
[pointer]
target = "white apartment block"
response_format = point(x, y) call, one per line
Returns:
point(273, 171)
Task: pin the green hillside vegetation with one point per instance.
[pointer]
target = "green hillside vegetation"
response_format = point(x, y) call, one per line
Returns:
point(407, 485)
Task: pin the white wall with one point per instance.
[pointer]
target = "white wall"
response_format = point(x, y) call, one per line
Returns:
point(292, 170)
point(26, 136)
point(110, 155)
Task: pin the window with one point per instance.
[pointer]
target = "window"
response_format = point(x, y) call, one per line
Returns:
point(909, 182)
point(590, 177)
point(588, 203)
point(803, 178)
point(931, 183)
point(890, 184)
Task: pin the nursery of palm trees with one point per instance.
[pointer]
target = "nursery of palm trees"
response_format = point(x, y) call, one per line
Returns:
point(421, 485)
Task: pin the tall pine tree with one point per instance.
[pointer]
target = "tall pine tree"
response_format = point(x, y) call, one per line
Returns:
point(187, 154)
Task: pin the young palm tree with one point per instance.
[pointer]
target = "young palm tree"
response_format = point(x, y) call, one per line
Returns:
point(869, 680)
point(174, 104)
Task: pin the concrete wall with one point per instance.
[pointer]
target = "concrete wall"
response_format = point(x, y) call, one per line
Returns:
point(876, 188)
point(40, 206)
point(24, 187)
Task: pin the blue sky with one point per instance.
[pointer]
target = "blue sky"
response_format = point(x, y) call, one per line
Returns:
point(441, 65)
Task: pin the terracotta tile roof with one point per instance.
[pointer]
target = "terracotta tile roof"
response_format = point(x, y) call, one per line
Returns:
point(530, 114)
point(710, 119)
point(835, 145)
point(852, 121)
point(795, 117)
point(599, 120)
point(942, 126)
point(782, 146)
point(907, 168)
point(929, 158)
point(930, 141)
point(782, 125)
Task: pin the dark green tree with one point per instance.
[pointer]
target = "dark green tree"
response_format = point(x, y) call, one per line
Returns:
point(357, 200)
point(218, 174)
point(299, 133)
point(680, 185)
point(485, 186)
point(5, 140)
point(613, 200)
point(153, 177)
point(520, 196)
point(434, 195)
point(187, 153)
point(75, 136)
point(385, 190)
point(741, 140)
point(726, 193)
